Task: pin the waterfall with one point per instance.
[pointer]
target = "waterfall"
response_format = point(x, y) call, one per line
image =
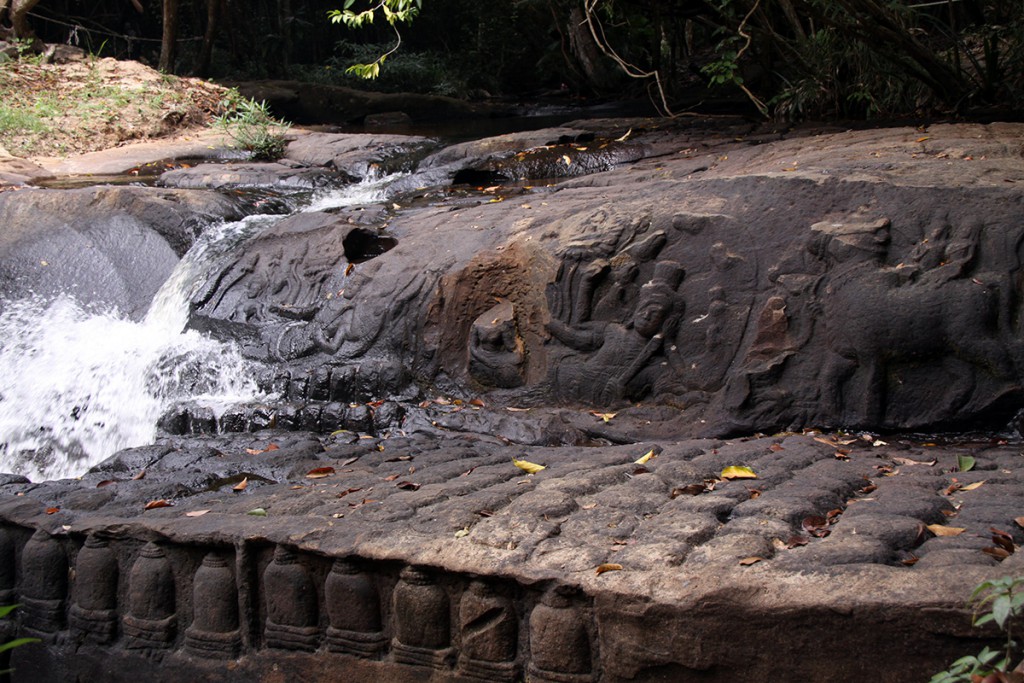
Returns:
point(80, 384)
point(77, 384)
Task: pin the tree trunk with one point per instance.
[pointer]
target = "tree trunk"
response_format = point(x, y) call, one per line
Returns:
point(586, 52)
point(213, 10)
point(169, 42)
point(285, 20)
point(16, 12)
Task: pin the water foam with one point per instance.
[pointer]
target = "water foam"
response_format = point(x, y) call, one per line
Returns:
point(79, 385)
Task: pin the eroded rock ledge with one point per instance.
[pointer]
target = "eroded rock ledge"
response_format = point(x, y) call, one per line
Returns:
point(713, 287)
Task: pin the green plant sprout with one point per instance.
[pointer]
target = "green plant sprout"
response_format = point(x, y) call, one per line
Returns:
point(17, 642)
point(999, 601)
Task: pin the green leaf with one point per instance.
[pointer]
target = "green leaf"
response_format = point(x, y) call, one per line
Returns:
point(7, 609)
point(1001, 610)
point(257, 512)
point(965, 463)
point(17, 642)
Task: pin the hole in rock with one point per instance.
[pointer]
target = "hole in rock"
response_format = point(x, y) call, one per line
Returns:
point(362, 245)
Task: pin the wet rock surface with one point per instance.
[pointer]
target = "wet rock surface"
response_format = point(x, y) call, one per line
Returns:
point(113, 246)
point(368, 522)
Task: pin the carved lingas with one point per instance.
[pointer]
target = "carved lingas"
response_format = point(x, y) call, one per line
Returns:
point(292, 611)
point(94, 612)
point(7, 567)
point(151, 621)
point(215, 630)
point(353, 605)
point(486, 645)
point(490, 630)
point(559, 641)
point(422, 622)
point(44, 566)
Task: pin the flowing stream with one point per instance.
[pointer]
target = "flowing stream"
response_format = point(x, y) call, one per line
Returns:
point(77, 384)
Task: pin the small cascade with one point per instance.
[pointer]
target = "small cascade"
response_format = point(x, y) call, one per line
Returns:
point(78, 384)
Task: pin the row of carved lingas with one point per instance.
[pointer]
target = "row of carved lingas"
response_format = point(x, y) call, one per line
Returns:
point(560, 646)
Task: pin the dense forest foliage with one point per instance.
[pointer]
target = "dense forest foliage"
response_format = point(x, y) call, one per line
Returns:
point(785, 58)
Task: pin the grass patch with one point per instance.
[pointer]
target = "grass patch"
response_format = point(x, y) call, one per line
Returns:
point(94, 104)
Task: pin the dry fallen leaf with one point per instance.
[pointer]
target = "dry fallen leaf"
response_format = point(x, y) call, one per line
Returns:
point(747, 561)
point(196, 513)
point(408, 485)
point(797, 542)
point(608, 567)
point(153, 504)
point(528, 467)
point(1003, 540)
point(816, 525)
point(319, 472)
point(689, 490)
point(240, 486)
point(975, 485)
point(257, 451)
point(941, 530)
point(607, 417)
point(645, 457)
point(392, 477)
point(106, 482)
point(738, 472)
point(908, 461)
point(52, 511)
point(998, 553)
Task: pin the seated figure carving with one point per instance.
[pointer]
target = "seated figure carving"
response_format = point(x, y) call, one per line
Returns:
point(496, 351)
point(618, 361)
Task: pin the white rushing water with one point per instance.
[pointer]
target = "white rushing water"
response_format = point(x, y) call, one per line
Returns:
point(78, 385)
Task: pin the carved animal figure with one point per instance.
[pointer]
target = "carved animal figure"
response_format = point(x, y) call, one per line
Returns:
point(872, 321)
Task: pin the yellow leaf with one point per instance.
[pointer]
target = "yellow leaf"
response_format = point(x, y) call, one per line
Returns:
point(971, 487)
point(608, 568)
point(940, 530)
point(461, 532)
point(738, 472)
point(607, 417)
point(645, 457)
point(747, 561)
point(566, 160)
point(528, 467)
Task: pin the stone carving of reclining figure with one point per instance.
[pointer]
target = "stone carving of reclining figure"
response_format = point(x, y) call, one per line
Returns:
point(620, 360)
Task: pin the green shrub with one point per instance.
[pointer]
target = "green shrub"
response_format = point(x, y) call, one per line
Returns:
point(252, 127)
